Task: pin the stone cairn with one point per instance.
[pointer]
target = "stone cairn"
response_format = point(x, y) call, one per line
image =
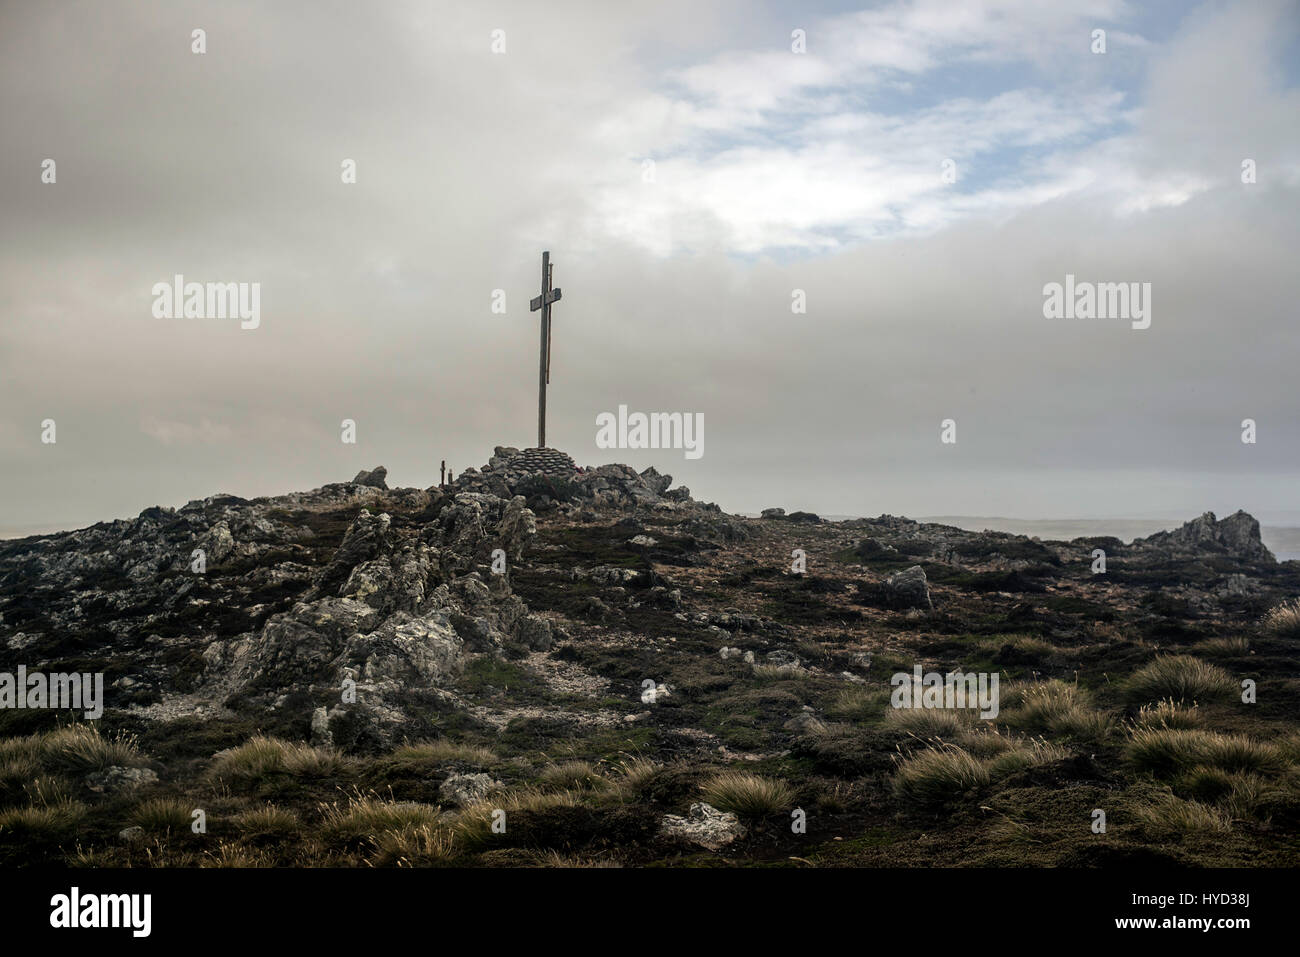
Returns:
point(546, 461)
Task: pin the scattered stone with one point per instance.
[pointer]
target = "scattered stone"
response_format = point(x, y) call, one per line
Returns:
point(466, 789)
point(783, 659)
point(116, 780)
point(909, 588)
point(704, 825)
point(805, 723)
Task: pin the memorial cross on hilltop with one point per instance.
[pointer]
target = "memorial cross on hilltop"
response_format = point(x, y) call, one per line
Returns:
point(543, 302)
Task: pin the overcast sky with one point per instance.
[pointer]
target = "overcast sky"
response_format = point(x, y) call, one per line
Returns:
point(772, 171)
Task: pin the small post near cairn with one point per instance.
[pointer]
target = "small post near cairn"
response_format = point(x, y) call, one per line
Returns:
point(543, 302)
point(442, 473)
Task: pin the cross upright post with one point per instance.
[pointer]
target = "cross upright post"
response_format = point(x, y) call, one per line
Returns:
point(543, 302)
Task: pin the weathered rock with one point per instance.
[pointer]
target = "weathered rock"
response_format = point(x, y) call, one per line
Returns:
point(466, 789)
point(366, 539)
point(413, 652)
point(218, 544)
point(656, 483)
point(773, 513)
point(909, 588)
point(375, 478)
point(1237, 535)
point(298, 645)
point(535, 632)
point(518, 527)
point(320, 729)
point(805, 723)
point(704, 825)
point(116, 780)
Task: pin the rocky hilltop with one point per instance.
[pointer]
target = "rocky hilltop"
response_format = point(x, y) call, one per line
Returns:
point(539, 621)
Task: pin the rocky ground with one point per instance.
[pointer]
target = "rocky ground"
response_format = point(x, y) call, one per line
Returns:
point(545, 665)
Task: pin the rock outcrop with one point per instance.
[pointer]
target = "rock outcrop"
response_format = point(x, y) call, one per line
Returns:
point(375, 478)
point(1237, 536)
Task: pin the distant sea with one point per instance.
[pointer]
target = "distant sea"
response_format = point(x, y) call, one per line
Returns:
point(1282, 540)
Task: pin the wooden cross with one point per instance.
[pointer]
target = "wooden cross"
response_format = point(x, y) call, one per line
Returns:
point(543, 302)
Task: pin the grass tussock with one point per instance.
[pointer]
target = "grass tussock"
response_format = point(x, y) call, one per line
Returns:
point(1024, 755)
point(1223, 647)
point(17, 772)
point(1167, 751)
point(938, 775)
point(1171, 815)
point(162, 815)
point(930, 722)
point(1181, 678)
point(423, 846)
point(228, 854)
point(366, 816)
point(1058, 708)
point(261, 760)
point(860, 704)
point(477, 825)
point(1284, 620)
point(572, 776)
point(71, 749)
point(436, 754)
point(1169, 714)
point(1025, 646)
point(748, 795)
point(1240, 794)
point(51, 815)
point(634, 773)
point(987, 742)
point(267, 822)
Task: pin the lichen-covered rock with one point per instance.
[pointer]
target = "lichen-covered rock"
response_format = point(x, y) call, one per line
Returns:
point(116, 780)
point(300, 644)
point(518, 527)
point(909, 588)
point(535, 632)
point(412, 652)
point(466, 789)
point(704, 825)
point(375, 478)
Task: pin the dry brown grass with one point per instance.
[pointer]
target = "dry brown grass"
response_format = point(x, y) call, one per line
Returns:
point(1181, 678)
point(1284, 620)
point(748, 795)
point(937, 776)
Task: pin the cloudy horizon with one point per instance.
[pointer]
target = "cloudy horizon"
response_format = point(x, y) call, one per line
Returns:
point(916, 176)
